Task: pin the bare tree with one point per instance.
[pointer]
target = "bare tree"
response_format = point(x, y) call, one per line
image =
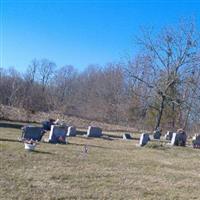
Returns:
point(46, 72)
point(172, 55)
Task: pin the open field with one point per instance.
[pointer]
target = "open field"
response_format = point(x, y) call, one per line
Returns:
point(112, 169)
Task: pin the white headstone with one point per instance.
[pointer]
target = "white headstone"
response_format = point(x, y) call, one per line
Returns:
point(144, 138)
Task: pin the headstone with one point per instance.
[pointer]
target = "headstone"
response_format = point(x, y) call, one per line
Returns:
point(144, 138)
point(32, 132)
point(71, 131)
point(58, 134)
point(168, 135)
point(196, 141)
point(94, 132)
point(156, 134)
point(174, 139)
point(179, 139)
point(126, 136)
point(47, 124)
point(57, 122)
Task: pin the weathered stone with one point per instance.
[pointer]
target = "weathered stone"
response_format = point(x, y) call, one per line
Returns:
point(179, 139)
point(144, 138)
point(156, 134)
point(32, 132)
point(58, 134)
point(71, 131)
point(94, 132)
point(47, 124)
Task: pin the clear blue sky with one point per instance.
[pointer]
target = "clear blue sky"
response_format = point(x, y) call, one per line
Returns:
point(80, 32)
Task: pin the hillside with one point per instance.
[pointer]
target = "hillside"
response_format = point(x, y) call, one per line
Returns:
point(21, 115)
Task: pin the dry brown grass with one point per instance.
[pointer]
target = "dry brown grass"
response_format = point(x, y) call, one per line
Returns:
point(19, 114)
point(112, 169)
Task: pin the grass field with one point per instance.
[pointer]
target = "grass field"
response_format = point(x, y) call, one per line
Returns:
point(112, 169)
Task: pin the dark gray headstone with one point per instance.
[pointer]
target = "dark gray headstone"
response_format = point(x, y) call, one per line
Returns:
point(168, 135)
point(47, 124)
point(94, 132)
point(32, 132)
point(58, 134)
point(144, 138)
point(156, 134)
point(179, 139)
point(71, 131)
point(126, 136)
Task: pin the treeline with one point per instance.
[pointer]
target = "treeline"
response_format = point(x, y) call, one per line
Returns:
point(160, 86)
point(97, 93)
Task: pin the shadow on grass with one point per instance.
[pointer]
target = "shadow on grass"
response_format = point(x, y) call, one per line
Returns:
point(120, 137)
point(105, 137)
point(8, 140)
point(10, 125)
point(90, 145)
point(41, 152)
point(113, 136)
point(78, 132)
point(135, 138)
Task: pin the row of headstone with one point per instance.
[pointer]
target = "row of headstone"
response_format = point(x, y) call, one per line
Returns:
point(177, 139)
point(48, 123)
point(145, 137)
point(91, 132)
point(58, 133)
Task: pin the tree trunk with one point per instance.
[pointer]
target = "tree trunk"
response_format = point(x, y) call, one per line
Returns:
point(160, 112)
point(186, 119)
point(173, 116)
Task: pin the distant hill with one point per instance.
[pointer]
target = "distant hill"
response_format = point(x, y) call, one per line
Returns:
point(21, 115)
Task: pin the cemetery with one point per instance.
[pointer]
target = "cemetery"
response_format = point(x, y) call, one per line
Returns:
point(99, 100)
point(93, 167)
